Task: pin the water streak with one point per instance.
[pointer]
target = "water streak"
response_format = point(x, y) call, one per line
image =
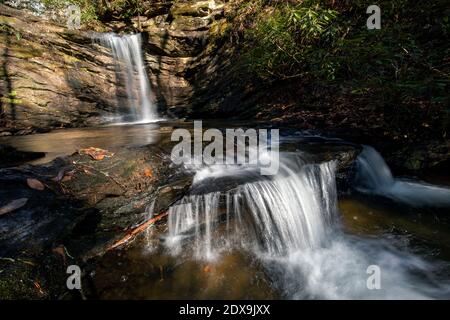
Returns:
point(288, 211)
point(375, 177)
point(130, 70)
point(290, 223)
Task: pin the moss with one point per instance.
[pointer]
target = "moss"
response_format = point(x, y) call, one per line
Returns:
point(219, 29)
point(16, 281)
point(218, 32)
point(129, 168)
point(11, 100)
point(69, 59)
point(199, 9)
point(415, 161)
point(26, 52)
point(5, 21)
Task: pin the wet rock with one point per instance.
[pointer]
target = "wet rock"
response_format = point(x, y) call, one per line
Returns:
point(66, 81)
point(62, 81)
point(193, 9)
point(344, 154)
point(85, 206)
point(180, 52)
point(421, 156)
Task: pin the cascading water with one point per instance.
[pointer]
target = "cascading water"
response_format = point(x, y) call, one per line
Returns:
point(287, 212)
point(130, 70)
point(374, 176)
point(290, 223)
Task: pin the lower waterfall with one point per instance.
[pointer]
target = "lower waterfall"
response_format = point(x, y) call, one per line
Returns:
point(290, 222)
point(286, 212)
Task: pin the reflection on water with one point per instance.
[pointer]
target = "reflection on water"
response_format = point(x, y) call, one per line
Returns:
point(137, 274)
point(66, 141)
point(425, 231)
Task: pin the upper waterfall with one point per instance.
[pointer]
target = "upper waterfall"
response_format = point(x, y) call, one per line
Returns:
point(130, 70)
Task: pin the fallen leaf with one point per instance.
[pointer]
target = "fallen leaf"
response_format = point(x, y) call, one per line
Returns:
point(37, 285)
point(148, 172)
point(35, 184)
point(60, 176)
point(67, 177)
point(96, 153)
point(13, 205)
point(206, 269)
point(39, 288)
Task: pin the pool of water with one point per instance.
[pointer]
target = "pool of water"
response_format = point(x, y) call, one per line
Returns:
point(412, 236)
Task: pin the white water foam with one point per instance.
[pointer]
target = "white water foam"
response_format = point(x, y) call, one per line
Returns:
point(375, 177)
point(290, 222)
point(130, 70)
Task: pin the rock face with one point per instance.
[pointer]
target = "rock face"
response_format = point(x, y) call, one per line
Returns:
point(76, 208)
point(50, 77)
point(182, 52)
point(192, 61)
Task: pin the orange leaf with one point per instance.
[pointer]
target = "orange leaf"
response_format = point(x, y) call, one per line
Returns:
point(13, 205)
point(206, 269)
point(96, 153)
point(39, 288)
point(148, 172)
point(35, 184)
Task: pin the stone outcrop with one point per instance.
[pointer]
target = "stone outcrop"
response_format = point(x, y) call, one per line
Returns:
point(182, 52)
point(77, 209)
point(51, 77)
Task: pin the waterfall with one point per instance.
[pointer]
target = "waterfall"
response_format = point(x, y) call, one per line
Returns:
point(290, 223)
point(375, 177)
point(290, 211)
point(130, 70)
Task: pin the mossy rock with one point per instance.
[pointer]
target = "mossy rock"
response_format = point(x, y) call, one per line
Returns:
point(25, 51)
point(186, 23)
point(415, 161)
point(197, 9)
